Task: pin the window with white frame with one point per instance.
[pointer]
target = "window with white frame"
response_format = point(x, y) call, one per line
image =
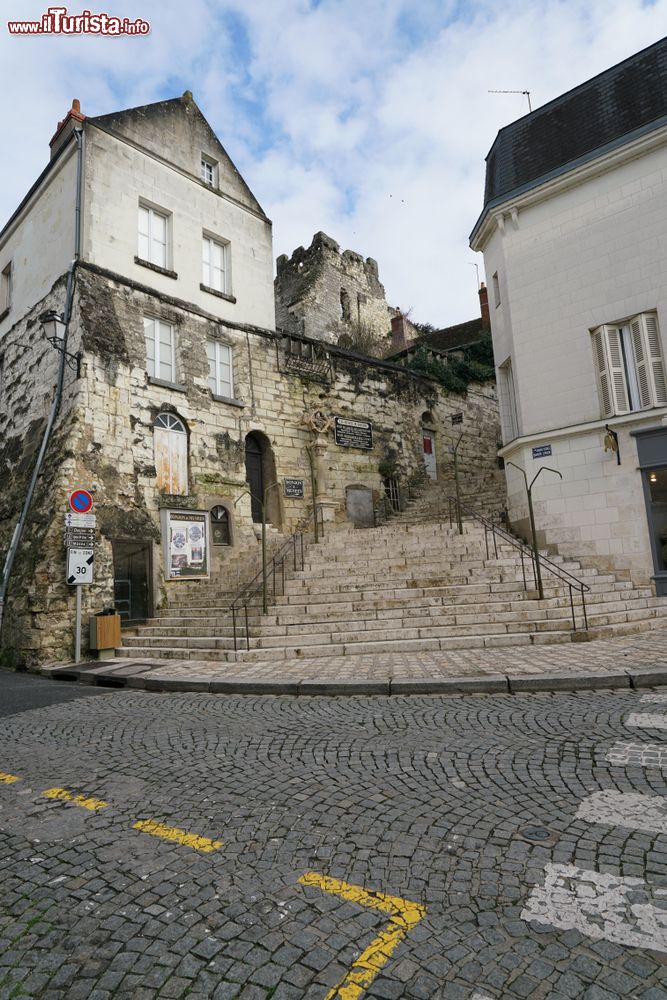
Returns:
point(153, 236)
point(160, 349)
point(215, 265)
point(629, 365)
point(170, 442)
point(5, 287)
point(220, 368)
point(508, 401)
point(209, 171)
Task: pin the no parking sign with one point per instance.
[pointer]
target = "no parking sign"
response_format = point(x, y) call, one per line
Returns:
point(80, 501)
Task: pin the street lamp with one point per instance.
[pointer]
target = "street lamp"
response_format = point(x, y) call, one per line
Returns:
point(54, 327)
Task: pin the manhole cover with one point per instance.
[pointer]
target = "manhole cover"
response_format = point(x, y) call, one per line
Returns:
point(538, 835)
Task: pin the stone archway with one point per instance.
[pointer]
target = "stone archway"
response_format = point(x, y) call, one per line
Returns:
point(260, 467)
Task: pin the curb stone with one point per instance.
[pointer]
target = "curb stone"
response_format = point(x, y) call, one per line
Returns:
point(140, 676)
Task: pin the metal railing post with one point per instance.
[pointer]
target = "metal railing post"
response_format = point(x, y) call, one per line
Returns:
point(234, 626)
point(247, 629)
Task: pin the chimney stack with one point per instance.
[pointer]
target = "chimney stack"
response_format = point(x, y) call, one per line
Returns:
point(484, 306)
point(399, 341)
point(72, 119)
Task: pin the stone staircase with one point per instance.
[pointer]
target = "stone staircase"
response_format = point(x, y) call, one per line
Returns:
point(410, 585)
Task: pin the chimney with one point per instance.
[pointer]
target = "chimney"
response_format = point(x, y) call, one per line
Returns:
point(484, 306)
point(66, 127)
point(399, 341)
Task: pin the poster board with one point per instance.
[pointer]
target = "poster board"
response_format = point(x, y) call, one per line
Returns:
point(185, 538)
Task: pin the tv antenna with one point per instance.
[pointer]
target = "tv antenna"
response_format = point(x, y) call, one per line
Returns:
point(526, 94)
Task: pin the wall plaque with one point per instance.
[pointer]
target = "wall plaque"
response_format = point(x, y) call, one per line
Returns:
point(351, 433)
point(457, 418)
point(293, 488)
point(542, 451)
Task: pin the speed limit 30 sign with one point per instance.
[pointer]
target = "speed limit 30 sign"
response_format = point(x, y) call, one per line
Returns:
point(80, 566)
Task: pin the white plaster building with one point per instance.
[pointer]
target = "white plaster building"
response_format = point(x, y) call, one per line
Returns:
point(574, 237)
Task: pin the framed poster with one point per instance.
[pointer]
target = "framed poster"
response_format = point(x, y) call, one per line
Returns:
point(186, 543)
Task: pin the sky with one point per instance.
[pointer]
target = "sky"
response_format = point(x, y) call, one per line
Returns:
point(367, 119)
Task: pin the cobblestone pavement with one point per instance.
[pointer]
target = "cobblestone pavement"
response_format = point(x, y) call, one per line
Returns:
point(647, 649)
point(423, 847)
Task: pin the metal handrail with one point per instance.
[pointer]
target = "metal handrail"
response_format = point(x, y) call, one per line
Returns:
point(275, 569)
point(570, 581)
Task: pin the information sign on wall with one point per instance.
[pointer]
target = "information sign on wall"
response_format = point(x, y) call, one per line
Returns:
point(542, 451)
point(186, 544)
point(293, 488)
point(350, 433)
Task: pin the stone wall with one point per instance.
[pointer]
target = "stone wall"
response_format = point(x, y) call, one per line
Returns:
point(104, 442)
point(323, 293)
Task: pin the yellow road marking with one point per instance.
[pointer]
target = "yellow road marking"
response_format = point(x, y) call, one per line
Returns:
point(403, 916)
point(203, 844)
point(77, 800)
point(8, 779)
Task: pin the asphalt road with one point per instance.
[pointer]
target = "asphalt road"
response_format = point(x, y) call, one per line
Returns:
point(198, 846)
point(21, 692)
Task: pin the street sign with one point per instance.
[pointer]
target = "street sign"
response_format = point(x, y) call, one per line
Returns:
point(79, 566)
point(80, 520)
point(79, 538)
point(81, 501)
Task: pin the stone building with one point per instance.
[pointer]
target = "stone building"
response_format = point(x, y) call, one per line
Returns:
point(332, 296)
point(573, 236)
point(177, 404)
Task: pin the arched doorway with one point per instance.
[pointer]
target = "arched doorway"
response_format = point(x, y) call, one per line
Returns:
point(254, 473)
point(261, 478)
point(428, 445)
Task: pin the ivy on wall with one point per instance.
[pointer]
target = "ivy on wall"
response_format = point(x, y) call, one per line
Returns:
point(473, 363)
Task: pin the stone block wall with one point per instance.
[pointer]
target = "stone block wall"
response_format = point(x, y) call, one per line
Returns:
point(104, 442)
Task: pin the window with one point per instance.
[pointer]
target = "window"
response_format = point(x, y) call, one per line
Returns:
point(219, 368)
point(160, 353)
point(629, 365)
point(215, 265)
point(209, 171)
point(6, 288)
point(508, 401)
point(496, 289)
point(220, 530)
point(170, 441)
point(153, 236)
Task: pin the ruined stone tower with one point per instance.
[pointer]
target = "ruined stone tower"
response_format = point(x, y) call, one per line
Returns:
point(333, 296)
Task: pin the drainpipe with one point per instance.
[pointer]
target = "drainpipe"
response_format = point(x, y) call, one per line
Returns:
point(57, 399)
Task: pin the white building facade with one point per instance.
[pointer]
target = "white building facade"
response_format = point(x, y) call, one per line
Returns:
point(574, 237)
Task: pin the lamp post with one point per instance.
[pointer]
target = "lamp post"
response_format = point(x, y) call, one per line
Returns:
point(54, 327)
point(531, 515)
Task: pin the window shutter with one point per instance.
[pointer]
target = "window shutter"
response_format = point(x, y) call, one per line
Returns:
point(602, 371)
point(617, 383)
point(641, 366)
point(654, 363)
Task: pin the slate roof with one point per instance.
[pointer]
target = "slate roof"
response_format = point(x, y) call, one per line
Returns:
point(629, 97)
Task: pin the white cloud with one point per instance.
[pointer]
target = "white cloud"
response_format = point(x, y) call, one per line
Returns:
point(368, 120)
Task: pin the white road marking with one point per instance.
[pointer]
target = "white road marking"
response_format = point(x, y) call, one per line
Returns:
point(478, 995)
point(600, 906)
point(628, 809)
point(644, 720)
point(638, 754)
point(654, 699)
